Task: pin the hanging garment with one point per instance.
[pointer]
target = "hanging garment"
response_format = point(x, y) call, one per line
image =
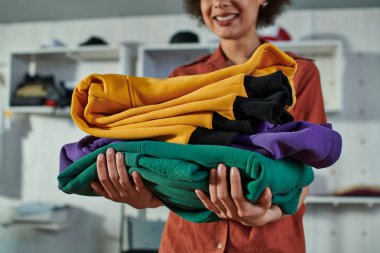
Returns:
point(174, 171)
point(127, 107)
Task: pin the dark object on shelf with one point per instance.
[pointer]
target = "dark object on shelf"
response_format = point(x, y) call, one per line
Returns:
point(360, 191)
point(58, 95)
point(184, 37)
point(41, 90)
point(32, 90)
point(92, 41)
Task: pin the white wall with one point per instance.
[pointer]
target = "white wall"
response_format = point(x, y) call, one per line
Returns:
point(40, 147)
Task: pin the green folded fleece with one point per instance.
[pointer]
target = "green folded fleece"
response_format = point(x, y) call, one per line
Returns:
point(174, 171)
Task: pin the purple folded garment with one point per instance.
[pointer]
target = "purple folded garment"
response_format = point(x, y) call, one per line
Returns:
point(314, 144)
point(74, 151)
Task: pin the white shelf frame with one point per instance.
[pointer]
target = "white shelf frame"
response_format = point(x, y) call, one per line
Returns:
point(75, 53)
point(337, 200)
point(125, 55)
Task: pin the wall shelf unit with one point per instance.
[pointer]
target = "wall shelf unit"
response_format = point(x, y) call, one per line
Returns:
point(65, 64)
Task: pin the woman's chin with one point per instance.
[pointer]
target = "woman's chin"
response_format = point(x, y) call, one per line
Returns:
point(228, 36)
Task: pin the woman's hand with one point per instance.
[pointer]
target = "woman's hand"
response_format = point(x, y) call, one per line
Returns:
point(234, 205)
point(115, 184)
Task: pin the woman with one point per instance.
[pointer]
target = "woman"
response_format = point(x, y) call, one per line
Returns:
point(245, 227)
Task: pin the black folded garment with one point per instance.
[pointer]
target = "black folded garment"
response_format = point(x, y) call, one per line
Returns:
point(268, 97)
point(59, 94)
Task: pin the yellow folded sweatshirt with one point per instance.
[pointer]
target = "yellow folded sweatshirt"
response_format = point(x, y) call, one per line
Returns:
point(168, 109)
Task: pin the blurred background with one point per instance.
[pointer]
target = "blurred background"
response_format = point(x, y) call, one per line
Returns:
point(57, 43)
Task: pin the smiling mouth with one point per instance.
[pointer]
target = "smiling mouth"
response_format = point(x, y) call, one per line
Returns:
point(226, 18)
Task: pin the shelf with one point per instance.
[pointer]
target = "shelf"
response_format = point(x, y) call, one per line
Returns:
point(336, 201)
point(38, 110)
point(160, 60)
point(88, 53)
point(68, 64)
point(95, 54)
point(328, 56)
point(318, 47)
point(181, 46)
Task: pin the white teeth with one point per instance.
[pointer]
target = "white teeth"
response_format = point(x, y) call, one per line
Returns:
point(226, 18)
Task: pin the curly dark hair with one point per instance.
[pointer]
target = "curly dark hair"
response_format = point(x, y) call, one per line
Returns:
point(265, 18)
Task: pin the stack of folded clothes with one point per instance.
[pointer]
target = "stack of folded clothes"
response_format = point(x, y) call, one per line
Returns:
point(173, 131)
point(32, 90)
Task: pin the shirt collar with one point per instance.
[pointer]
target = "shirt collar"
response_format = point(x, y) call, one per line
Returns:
point(219, 60)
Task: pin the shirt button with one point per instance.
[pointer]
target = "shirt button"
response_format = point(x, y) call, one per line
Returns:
point(220, 245)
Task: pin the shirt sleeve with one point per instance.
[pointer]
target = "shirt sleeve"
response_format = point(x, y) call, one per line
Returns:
point(174, 73)
point(309, 105)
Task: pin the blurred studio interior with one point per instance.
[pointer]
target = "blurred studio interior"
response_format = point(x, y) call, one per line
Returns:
point(47, 47)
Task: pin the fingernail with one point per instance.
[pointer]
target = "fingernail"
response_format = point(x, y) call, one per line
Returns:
point(109, 151)
point(267, 193)
point(234, 171)
point(100, 157)
point(220, 168)
point(197, 192)
point(118, 155)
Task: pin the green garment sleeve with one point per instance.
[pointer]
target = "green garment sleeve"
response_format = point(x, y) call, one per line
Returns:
point(174, 171)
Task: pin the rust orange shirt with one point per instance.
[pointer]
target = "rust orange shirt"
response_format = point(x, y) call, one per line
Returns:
point(285, 235)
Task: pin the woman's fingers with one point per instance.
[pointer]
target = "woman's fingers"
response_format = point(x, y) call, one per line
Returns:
point(276, 213)
point(237, 191)
point(124, 179)
point(113, 171)
point(214, 193)
point(155, 203)
point(101, 166)
point(221, 201)
point(223, 193)
point(99, 190)
point(252, 214)
point(111, 165)
point(138, 181)
point(265, 199)
point(116, 185)
point(207, 202)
